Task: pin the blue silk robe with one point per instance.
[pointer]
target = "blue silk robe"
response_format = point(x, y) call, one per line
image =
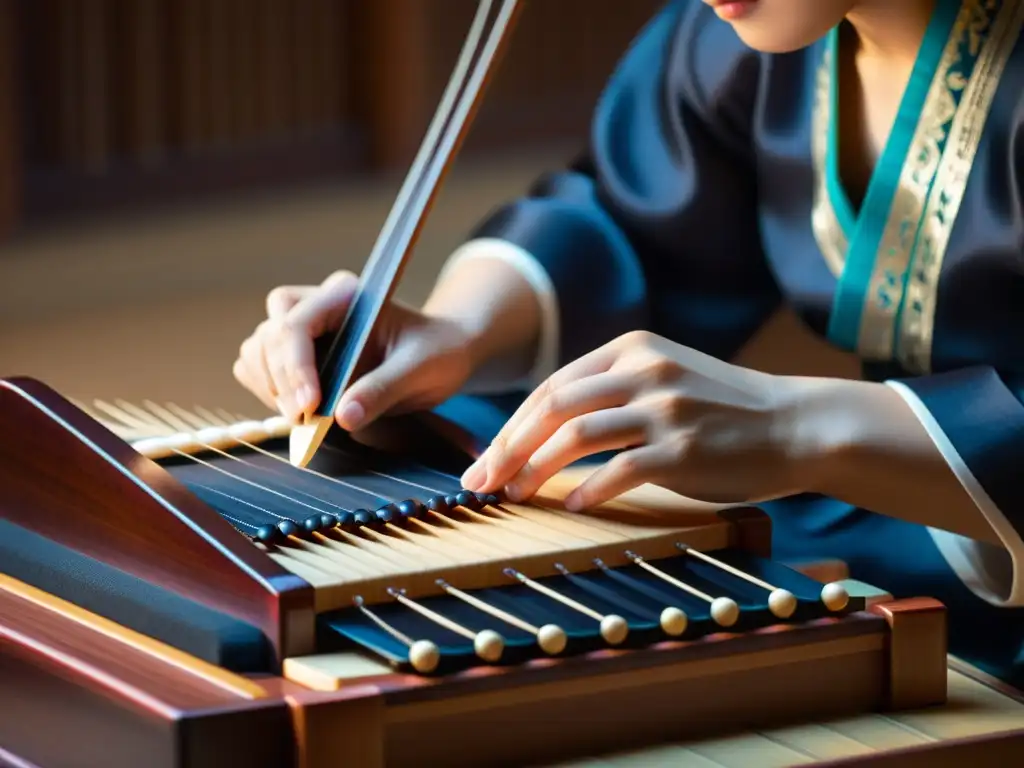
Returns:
point(710, 194)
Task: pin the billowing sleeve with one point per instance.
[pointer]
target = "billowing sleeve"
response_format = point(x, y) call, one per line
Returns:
point(975, 417)
point(655, 226)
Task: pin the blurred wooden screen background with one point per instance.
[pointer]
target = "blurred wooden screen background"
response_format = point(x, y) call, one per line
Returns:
point(107, 102)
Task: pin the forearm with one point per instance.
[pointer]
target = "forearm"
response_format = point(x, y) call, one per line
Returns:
point(497, 306)
point(861, 443)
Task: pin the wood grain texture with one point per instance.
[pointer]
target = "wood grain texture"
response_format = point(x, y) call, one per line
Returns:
point(27, 601)
point(917, 651)
point(614, 668)
point(979, 726)
point(776, 683)
point(610, 701)
point(106, 698)
point(65, 477)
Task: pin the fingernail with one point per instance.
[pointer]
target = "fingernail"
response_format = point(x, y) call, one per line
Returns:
point(351, 416)
point(305, 398)
point(475, 476)
point(514, 491)
point(573, 502)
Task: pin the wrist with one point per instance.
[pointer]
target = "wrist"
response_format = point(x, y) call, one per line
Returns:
point(844, 430)
point(493, 307)
point(484, 343)
point(818, 422)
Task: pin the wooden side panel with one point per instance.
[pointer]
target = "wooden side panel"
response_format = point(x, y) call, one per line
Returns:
point(917, 651)
point(318, 720)
point(71, 694)
point(31, 612)
point(67, 478)
point(791, 677)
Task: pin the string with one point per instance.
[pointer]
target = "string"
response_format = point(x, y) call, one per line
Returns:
point(558, 530)
point(187, 421)
point(172, 421)
point(366, 530)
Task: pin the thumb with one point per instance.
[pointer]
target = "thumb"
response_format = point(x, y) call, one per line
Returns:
point(383, 388)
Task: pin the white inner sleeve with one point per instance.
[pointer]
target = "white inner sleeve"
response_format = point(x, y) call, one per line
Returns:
point(993, 573)
point(497, 378)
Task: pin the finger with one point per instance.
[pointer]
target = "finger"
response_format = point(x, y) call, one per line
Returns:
point(383, 388)
point(250, 382)
point(556, 409)
point(291, 352)
point(252, 354)
point(593, 363)
point(609, 430)
point(622, 473)
point(291, 361)
point(284, 297)
point(324, 309)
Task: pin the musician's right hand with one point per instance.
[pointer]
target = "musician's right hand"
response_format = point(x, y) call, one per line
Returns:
point(417, 360)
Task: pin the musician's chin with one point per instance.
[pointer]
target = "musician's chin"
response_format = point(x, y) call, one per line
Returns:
point(781, 26)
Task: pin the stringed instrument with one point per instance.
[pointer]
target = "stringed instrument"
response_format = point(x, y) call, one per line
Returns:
point(190, 587)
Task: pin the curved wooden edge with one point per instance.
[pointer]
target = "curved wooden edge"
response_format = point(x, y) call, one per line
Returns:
point(918, 648)
point(179, 660)
point(56, 461)
point(69, 696)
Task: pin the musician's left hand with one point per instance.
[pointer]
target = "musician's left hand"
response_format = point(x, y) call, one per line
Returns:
point(682, 420)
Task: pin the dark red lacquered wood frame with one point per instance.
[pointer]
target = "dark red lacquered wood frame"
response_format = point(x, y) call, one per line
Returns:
point(70, 479)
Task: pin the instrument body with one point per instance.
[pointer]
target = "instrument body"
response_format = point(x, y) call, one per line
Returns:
point(236, 667)
point(120, 699)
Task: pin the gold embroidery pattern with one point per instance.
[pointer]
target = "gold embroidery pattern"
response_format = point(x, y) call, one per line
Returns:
point(886, 287)
point(917, 320)
point(827, 232)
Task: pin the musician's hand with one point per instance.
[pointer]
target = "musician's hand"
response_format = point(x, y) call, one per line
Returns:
point(418, 361)
point(682, 420)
